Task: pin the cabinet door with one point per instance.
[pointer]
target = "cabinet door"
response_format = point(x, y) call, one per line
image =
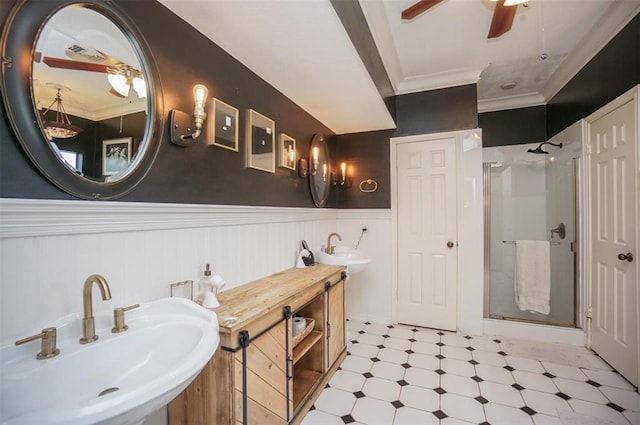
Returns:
point(268, 390)
point(335, 322)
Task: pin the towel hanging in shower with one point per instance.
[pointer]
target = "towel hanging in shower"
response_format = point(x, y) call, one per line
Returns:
point(533, 276)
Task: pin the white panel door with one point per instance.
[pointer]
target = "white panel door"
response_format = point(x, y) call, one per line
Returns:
point(612, 146)
point(427, 233)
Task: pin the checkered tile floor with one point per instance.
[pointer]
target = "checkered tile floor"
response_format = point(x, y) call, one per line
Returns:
point(416, 376)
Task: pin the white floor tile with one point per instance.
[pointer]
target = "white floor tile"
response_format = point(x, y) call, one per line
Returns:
point(424, 347)
point(535, 381)
point(397, 343)
point(628, 399)
point(548, 404)
point(464, 408)
point(426, 336)
point(375, 329)
point(318, 417)
point(501, 394)
point(454, 421)
point(608, 378)
point(563, 371)
point(540, 419)
point(422, 378)
point(403, 332)
point(410, 416)
point(633, 417)
point(373, 412)
point(393, 356)
point(347, 381)
point(424, 361)
point(527, 365)
point(364, 350)
point(416, 375)
point(420, 398)
point(370, 339)
point(460, 385)
point(355, 325)
point(356, 364)
point(485, 357)
point(386, 370)
point(599, 411)
point(494, 374)
point(454, 340)
point(455, 353)
point(336, 402)
point(381, 389)
point(504, 415)
point(457, 367)
point(485, 344)
point(580, 390)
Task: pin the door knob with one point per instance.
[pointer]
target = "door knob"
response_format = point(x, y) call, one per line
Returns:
point(449, 244)
point(628, 257)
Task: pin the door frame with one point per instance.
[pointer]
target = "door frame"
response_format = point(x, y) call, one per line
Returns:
point(634, 96)
point(394, 142)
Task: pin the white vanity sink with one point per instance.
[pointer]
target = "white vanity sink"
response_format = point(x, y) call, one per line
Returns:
point(167, 344)
point(345, 256)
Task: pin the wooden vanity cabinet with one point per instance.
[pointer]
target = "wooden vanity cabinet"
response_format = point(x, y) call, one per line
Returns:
point(256, 376)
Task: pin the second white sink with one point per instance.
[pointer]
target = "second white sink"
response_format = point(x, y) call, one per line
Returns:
point(345, 256)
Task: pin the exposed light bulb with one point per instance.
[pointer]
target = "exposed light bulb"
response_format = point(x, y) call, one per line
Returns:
point(199, 95)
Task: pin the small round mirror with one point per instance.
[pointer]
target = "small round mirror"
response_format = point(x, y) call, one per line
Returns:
point(319, 170)
point(94, 120)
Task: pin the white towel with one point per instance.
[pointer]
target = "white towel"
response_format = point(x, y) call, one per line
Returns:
point(533, 276)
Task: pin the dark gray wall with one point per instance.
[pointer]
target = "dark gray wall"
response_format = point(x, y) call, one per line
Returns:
point(200, 173)
point(613, 71)
point(417, 113)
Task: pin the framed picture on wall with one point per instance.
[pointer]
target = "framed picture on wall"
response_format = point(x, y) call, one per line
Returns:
point(286, 152)
point(260, 142)
point(116, 155)
point(223, 128)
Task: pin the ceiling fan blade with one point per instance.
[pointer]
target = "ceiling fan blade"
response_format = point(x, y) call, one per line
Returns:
point(502, 19)
point(418, 8)
point(76, 65)
point(115, 93)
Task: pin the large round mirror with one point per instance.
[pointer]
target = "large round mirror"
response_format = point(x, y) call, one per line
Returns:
point(319, 170)
point(82, 94)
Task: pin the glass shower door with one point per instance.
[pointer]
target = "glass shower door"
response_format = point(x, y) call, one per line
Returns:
point(531, 197)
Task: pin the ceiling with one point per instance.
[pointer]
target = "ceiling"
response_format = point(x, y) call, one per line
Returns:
point(301, 48)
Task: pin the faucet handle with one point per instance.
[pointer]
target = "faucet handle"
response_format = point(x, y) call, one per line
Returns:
point(48, 347)
point(118, 318)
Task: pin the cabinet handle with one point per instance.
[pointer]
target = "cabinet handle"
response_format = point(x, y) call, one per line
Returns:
point(449, 244)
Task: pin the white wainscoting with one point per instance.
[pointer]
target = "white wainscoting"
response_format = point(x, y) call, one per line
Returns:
point(369, 293)
point(48, 249)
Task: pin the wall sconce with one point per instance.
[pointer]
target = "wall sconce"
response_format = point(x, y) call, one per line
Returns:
point(342, 178)
point(180, 122)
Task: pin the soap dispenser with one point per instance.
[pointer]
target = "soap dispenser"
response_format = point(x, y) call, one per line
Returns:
point(206, 287)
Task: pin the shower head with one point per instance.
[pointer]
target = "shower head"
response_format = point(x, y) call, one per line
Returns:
point(539, 149)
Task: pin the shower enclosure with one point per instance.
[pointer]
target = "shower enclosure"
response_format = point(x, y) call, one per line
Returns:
point(530, 194)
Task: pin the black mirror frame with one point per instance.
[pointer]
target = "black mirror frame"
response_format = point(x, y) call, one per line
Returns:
point(19, 35)
point(319, 199)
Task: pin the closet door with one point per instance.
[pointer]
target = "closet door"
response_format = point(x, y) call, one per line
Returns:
point(612, 149)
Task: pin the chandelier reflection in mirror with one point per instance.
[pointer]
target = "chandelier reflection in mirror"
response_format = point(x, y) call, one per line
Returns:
point(61, 127)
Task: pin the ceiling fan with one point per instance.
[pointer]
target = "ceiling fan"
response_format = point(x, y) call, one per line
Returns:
point(120, 75)
point(501, 22)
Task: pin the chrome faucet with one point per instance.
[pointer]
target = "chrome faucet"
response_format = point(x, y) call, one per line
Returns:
point(88, 324)
point(329, 249)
